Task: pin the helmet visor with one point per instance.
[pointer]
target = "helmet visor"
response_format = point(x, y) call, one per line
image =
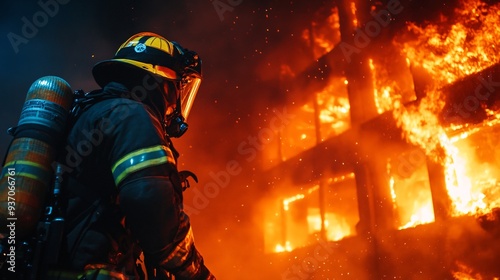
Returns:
point(190, 86)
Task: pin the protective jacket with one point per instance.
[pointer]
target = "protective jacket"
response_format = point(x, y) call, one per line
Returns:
point(124, 193)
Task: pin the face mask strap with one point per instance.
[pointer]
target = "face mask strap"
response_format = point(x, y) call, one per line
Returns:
point(176, 126)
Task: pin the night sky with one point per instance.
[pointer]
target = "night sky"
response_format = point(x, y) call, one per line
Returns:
point(241, 43)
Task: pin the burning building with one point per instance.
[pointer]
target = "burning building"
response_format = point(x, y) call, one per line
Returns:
point(390, 166)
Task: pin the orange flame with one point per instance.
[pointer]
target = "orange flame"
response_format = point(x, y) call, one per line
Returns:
point(450, 52)
point(353, 11)
point(336, 226)
point(464, 48)
point(457, 47)
point(383, 90)
point(322, 37)
point(289, 200)
point(466, 273)
point(280, 248)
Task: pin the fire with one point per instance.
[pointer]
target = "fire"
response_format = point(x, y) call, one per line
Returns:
point(332, 109)
point(480, 177)
point(450, 52)
point(323, 36)
point(280, 248)
point(293, 232)
point(411, 194)
point(421, 127)
point(423, 215)
point(466, 200)
point(353, 11)
point(336, 227)
point(289, 200)
point(466, 273)
point(420, 124)
point(383, 90)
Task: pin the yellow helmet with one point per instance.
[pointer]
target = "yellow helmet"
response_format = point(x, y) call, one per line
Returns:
point(150, 52)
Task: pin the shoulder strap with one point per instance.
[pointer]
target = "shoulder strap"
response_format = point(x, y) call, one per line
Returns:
point(83, 101)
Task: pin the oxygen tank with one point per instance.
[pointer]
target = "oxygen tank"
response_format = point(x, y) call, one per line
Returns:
point(28, 173)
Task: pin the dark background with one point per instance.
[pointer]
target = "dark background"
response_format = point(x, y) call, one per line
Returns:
point(241, 48)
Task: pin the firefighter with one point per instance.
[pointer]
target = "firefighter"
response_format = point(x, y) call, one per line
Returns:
point(124, 207)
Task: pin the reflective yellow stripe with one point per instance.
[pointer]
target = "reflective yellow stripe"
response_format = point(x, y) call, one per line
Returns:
point(141, 159)
point(25, 162)
point(29, 169)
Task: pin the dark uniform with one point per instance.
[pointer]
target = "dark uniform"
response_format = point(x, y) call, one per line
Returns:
point(123, 188)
